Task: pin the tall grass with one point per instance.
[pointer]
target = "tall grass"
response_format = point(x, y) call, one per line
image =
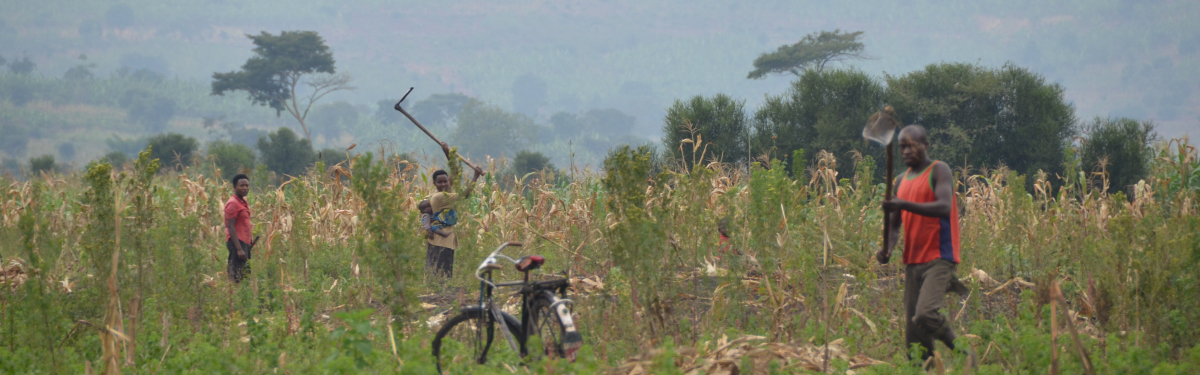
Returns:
point(343, 239)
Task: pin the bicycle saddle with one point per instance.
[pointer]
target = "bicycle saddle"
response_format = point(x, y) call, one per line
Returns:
point(529, 263)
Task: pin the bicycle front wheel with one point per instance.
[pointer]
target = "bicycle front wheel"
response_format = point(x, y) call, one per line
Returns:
point(463, 341)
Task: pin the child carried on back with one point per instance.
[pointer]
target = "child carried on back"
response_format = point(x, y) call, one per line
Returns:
point(428, 222)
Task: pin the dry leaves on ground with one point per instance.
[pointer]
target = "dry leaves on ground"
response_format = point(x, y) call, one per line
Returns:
point(728, 356)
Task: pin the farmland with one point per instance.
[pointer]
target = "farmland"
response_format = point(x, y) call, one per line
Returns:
point(124, 268)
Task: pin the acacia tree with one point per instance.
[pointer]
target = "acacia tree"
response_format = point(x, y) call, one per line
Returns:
point(811, 53)
point(281, 64)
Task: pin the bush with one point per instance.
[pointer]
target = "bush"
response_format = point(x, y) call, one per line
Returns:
point(286, 154)
point(231, 158)
point(608, 121)
point(436, 110)
point(720, 120)
point(115, 158)
point(130, 147)
point(1010, 115)
point(567, 125)
point(331, 156)
point(78, 73)
point(488, 130)
point(172, 149)
point(44, 163)
point(1122, 145)
point(823, 110)
point(526, 162)
point(23, 66)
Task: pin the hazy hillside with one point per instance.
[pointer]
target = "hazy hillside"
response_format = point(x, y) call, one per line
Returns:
point(1137, 59)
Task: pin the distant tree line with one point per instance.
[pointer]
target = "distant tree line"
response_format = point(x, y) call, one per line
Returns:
point(977, 117)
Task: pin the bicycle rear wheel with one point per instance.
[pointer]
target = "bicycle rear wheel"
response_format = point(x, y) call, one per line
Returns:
point(555, 328)
point(463, 341)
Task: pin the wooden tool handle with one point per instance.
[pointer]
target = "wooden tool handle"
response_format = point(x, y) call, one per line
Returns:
point(887, 222)
point(435, 138)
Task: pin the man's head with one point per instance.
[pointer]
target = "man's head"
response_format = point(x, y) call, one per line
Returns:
point(913, 143)
point(241, 185)
point(441, 180)
point(723, 227)
point(425, 207)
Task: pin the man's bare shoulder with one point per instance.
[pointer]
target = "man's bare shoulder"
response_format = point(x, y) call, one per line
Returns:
point(941, 172)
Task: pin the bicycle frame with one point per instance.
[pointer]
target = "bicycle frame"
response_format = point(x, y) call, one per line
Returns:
point(528, 294)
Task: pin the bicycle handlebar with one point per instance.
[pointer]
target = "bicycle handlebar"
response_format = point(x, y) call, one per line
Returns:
point(491, 260)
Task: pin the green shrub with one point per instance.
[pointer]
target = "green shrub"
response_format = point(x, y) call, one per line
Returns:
point(1123, 145)
point(286, 154)
point(231, 158)
point(173, 149)
point(44, 163)
point(332, 156)
point(115, 158)
point(720, 121)
point(526, 162)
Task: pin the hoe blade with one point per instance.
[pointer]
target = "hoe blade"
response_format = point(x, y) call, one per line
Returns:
point(881, 127)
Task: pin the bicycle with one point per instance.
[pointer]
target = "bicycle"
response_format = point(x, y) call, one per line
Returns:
point(545, 312)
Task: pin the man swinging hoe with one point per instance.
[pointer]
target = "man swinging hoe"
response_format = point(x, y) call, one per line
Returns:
point(925, 208)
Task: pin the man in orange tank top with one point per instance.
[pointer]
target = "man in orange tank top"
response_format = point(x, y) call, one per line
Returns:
point(924, 207)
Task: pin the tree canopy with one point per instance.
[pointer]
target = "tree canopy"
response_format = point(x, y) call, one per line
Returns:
point(280, 64)
point(720, 121)
point(286, 154)
point(232, 158)
point(812, 52)
point(173, 149)
point(987, 117)
point(823, 110)
point(1121, 147)
point(436, 110)
point(488, 130)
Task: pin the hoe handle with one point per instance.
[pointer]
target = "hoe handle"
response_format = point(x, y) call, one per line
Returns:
point(887, 222)
point(422, 127)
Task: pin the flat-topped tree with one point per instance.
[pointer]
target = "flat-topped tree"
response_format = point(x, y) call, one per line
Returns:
point(811, 53)
point(282, 63)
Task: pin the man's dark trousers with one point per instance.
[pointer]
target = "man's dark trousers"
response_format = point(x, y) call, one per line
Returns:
point(925, 286)
point(236, 267)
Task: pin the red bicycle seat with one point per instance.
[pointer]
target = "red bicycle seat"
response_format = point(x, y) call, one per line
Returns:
point(530, 263)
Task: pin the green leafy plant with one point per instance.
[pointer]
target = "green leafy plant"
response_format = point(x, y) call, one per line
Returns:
point(354, 339)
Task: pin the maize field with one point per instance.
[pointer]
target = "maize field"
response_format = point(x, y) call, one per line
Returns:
point(113, 270)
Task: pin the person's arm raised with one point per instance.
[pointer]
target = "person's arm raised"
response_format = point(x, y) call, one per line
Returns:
point(471, 186)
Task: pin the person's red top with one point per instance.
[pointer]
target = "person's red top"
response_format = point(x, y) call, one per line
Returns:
point(238, 210)
point(925, 237)
point(724, 246)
